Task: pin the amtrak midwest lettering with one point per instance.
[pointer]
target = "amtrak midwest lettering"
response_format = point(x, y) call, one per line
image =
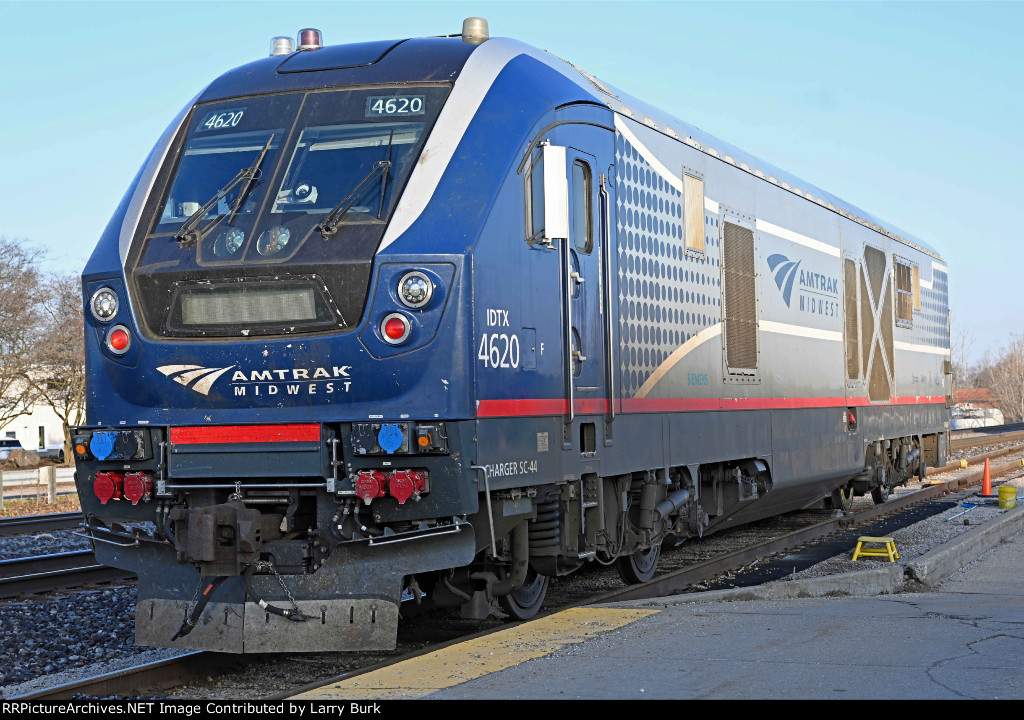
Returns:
point(298, 380)
point(817, 284)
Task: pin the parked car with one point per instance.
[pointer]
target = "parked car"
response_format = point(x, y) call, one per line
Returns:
point(7, 445)
point(55, 452)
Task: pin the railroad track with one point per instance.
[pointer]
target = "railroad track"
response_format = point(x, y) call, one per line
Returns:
point(39, 523)
point(158, 677)
point(988, 429)
point(984, 440)
point(44, 573)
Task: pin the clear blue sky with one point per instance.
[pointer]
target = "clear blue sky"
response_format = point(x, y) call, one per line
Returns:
point(912, 111)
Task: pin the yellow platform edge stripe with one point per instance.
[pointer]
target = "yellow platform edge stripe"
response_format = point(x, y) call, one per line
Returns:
point(475, 658)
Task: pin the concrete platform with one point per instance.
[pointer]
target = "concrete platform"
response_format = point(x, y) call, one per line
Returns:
point(959, 636)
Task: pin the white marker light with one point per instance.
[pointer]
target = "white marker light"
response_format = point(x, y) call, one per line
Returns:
point(415, 289)
point(104, 304)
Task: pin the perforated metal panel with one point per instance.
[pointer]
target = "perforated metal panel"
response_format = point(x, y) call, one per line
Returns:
point(666, 295)
point(867, 319)
point(740, 312)
point(877, 314)
point(878, 385)
point(874, 262)
point(885, 319)
point(852, 325)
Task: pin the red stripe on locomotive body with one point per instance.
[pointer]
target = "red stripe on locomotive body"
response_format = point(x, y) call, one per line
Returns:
point(221, 434)
point(525, 407)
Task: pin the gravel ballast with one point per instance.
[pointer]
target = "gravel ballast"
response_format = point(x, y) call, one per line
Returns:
point(46, 543)
point(54, 639)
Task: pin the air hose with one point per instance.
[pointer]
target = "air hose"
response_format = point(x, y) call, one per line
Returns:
point(193, 617)
point(293, 615)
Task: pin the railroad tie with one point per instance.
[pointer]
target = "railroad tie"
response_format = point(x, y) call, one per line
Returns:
point(888, 550)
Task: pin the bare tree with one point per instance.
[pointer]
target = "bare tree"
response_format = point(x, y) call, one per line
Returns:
point(58, 367)
point(20, 318)
point(963, 340)
point(1007, 379)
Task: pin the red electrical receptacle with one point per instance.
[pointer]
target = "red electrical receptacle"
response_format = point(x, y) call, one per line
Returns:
point(405, 484)
point(138, 486)
point(108, 486)
point(370, 484)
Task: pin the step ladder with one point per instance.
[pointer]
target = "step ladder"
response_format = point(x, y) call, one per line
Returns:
point(888, 550)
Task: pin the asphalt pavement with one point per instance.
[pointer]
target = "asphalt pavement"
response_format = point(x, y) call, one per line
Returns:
point(949, 625)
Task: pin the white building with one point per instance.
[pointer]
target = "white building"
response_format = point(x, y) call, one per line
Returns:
point(40, 431)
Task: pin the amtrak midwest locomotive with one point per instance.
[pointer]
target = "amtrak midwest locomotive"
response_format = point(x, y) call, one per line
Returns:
point(436, 320)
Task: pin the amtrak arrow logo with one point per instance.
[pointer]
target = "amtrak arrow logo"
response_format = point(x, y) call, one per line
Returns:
point(194, 377)
point(785, 273)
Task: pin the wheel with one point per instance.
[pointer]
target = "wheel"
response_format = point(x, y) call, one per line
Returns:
point(881, 493)
point(842, 499)
point(638, 567)
point(524, 603)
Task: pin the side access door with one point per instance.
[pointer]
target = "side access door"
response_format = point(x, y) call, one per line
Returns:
point(585, 281)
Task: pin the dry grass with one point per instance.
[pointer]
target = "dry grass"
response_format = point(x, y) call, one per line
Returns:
point(43, 462)
point(33, 506)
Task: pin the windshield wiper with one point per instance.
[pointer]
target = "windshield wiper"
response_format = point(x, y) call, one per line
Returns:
point(384, 177)
point(330, 224)
point(187, 234)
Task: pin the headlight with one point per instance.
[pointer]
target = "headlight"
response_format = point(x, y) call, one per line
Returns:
point(415, 289)
point(228, 242)
point(273, 240)
point(104, 304)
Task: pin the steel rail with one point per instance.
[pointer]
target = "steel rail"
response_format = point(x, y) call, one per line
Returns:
point(988, 429)
point(146, 680)
point(150, 678)
point(974, 459)
point(39, 523)
point(678, 582)
point(43, 573)
point(983, 440)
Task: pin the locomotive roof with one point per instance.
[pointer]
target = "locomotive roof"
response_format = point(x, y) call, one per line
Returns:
point(638, 110)
point(442, 59)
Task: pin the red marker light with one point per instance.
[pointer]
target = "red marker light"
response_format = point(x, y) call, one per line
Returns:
point(395, 328)
point(119, 340)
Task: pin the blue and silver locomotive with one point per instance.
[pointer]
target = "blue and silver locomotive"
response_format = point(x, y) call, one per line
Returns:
point(437, 320)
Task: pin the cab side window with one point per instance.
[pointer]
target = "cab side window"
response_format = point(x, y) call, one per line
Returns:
point(535, 200)
point(582, 210)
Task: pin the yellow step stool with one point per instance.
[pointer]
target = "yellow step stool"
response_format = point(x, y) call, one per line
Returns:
point(888, 551)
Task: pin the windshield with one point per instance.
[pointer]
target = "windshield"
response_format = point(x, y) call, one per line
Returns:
point(224, 139)
point(329, 161)
point(321, 147)
point(337, 158)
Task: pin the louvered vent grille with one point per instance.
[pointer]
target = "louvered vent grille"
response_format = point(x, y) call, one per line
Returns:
point(740, 312)
point(852, 326)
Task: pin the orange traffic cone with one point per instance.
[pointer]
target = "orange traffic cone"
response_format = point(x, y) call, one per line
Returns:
point(986, 482)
